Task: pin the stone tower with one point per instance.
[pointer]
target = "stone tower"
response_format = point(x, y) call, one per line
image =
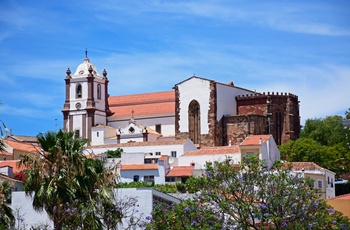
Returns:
point(86, 103)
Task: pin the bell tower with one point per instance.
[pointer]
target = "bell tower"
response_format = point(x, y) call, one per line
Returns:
point(86, 103)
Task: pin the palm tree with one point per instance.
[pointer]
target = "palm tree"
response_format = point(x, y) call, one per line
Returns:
point(6, 216)
point(65, 183)
point(51, 173)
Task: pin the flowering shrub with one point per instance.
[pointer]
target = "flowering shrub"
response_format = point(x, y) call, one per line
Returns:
point(248, 197)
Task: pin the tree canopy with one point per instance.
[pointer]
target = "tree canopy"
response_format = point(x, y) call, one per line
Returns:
point(246, 196)
point(323, 141)
point(75, 191)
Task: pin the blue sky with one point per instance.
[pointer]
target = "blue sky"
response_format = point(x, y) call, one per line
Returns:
point(300, 47)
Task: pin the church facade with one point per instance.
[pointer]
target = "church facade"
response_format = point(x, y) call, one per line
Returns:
point(207, 112)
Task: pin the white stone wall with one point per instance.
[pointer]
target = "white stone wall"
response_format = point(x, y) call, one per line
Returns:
point(269, 152)
point(200, 160)
point(226, 99)
point(167, 123)
point(194, 89)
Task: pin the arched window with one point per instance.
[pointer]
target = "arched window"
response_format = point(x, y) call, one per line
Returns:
point(78, 91)
point(194, 123)
point(99, 91)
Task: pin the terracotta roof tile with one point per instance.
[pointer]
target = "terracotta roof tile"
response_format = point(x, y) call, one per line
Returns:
point(22, 146)
point(162, 158)
point(143, 104)
point(10, 178)
point(13, 164)
point(178, 171)
point(214, 150)
point(305, 165)
point(24, 138)
point(255, 140)
point(139, 167)
point(342, 197)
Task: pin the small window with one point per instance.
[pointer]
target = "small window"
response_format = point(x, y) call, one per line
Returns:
point(148, 161)
point(78, 91)
point(193, 164)
point(98, 134)
point(159, 128)
point(136, 178)
point(77, 133)
point(319, 184)
point(4, 158)
point(173, 153)
point(158, 153)
point(331, 182)
point(99, 91)
point(148, 179)
point(169, 179)
point(151, 154)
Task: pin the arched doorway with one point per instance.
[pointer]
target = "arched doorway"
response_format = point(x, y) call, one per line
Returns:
point(194, 124)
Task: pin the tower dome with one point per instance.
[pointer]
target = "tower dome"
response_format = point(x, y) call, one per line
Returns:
point(83, 69)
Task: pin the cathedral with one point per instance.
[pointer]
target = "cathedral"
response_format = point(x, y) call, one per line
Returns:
point(207, 112)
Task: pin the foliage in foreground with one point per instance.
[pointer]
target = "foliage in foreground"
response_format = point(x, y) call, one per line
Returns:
point(248, 197)
point(75, 191)
point(6, 215)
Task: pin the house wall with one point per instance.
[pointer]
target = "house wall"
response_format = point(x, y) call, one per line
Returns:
point(145, 199)
point(128, 175)
point(163, 149)
point(340, 205)
point(316, 178)
point(200, 160)
point(270, 152)
point(330, 186)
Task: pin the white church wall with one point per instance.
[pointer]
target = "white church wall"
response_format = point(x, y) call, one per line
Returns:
point(167, 123)
point(194, 89)
point(226, 99)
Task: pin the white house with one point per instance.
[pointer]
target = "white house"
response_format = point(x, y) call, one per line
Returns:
point(323, 178)
point(146, 197)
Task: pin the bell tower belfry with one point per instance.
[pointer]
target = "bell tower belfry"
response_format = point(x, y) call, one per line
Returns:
point(86, 103)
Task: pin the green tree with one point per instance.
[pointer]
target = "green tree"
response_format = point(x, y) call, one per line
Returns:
point(246, 196)
point(114, 153)
point(6, 215)
point(347, 114)
point(66, 184)
point(323, 141)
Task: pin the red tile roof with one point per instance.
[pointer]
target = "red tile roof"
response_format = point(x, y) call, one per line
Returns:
point(13, 164)
point(255, 140)
point(214, 150)
point(182, 171)
point(342, 197)
point(4, 177)
point(305, 165)
point(22, 146)
point(139, 167)
point(143, 104)
point(162, 158)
